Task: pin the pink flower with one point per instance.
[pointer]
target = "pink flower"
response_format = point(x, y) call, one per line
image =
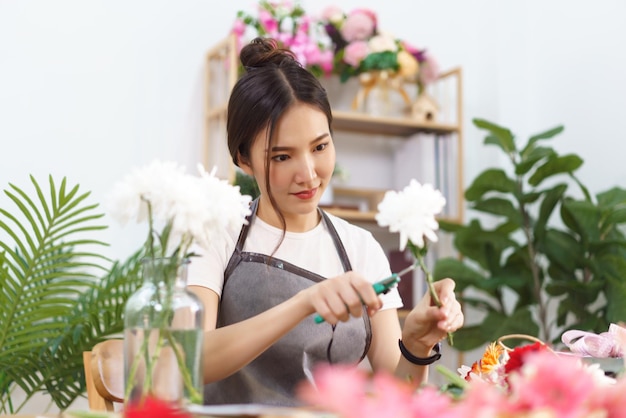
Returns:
point(337, 388)
point(239, 28)
point(267, 21)
point(358, 26)
point(429, 402)
point(610, 399)
point(555, 382)
point(429, 70)
point(355, 52)
point(480, 400)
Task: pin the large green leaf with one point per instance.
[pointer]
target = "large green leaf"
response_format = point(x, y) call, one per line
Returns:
point(464, 275)
point(492, 180)
point(499, 135)
point(499, 207)
point(550, 133)
point(534, 156)
point(550, 200)
point(483, 246)
point(555, 165)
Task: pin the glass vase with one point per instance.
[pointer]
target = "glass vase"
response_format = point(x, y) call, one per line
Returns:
point(163, 328)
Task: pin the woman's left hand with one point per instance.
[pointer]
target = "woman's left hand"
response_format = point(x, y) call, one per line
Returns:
point(428, 324)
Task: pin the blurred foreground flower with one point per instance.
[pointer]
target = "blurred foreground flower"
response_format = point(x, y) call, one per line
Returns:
point(545, 384)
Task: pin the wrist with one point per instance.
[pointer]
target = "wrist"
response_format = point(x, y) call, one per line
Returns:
point(417, 347)
point(420, 360)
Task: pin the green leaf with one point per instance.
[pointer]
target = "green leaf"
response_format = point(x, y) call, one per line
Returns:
point(499, 135)
point(535, 155)
point(500, 207)
point(550, 133)
point(562, 249)
point(554, 166)
point(612, 198)
point(482, 246)
point(491, 180)
point(464, 276)
point(551, 198)
point(615, 270)
point(583, 218)
point(386, 60)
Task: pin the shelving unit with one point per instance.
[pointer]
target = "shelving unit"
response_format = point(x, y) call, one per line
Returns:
point(445, 133)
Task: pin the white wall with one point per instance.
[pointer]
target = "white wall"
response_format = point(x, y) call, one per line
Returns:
point(90, 89)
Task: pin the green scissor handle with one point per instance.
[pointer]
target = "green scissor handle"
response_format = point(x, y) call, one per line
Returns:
point(382, 286)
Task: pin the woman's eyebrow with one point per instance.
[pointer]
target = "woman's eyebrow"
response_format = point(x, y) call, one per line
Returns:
point(316, 139)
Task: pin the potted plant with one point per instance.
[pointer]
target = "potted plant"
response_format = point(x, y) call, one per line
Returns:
point(545, 255)
point(58, 295)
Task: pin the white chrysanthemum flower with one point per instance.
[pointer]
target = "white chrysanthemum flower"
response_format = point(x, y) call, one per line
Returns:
point(197, 207)
point(154, 182)
point(411, 212)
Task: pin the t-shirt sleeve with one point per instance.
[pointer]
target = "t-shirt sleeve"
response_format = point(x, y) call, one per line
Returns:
point(368, 258)
point(379, 264)
point(208, 266)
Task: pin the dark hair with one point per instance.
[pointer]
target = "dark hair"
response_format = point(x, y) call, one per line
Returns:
point(273, 82)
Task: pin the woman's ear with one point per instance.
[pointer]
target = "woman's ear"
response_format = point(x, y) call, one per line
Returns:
point(244, 164)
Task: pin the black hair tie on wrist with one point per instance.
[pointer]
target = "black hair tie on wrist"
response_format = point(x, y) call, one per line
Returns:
point(418, 360)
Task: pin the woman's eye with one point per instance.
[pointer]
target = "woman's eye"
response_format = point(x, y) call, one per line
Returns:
point(281, 157)
point(321, 147)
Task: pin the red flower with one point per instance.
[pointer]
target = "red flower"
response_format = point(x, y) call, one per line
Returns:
point(517, 356)
point(153, 407)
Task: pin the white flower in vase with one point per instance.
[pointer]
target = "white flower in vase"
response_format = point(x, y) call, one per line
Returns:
point(162, 318)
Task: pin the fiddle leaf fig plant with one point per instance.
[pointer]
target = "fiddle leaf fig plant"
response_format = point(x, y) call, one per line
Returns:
point(544, 255)
point(58, 295)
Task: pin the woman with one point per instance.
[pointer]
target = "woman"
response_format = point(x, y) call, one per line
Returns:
point(262, 287)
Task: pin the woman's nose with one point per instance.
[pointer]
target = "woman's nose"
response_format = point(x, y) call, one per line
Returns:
point(306, 170)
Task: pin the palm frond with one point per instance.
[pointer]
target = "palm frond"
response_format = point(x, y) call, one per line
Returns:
point(44, 266)
point(98, 314)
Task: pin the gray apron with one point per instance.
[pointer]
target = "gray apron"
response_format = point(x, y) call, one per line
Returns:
point(254, 283)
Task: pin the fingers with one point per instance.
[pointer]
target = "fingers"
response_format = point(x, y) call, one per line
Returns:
point(339, 298)
point(429, 323)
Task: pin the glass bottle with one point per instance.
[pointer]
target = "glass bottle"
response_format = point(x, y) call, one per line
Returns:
point(163, 329)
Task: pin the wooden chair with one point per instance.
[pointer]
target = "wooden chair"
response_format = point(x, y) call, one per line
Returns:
point(104, 375)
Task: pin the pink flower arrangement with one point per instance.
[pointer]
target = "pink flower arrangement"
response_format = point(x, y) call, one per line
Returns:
point(539, 383)
point(360, 47)
point(288, 23)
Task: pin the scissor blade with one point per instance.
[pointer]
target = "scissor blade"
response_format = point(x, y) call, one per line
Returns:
point(406, 270)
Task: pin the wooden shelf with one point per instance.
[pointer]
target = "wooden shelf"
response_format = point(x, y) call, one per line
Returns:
point(393, 126)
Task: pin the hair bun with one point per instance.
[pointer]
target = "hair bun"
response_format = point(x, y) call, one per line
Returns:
point(261, 52)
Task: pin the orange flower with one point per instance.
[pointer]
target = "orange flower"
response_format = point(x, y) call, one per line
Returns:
point(490, 359)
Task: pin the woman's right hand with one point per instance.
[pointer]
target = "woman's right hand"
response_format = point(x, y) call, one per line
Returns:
point(340, 297)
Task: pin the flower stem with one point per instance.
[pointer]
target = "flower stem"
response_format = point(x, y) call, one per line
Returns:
point(431, 287)
point(194, 395)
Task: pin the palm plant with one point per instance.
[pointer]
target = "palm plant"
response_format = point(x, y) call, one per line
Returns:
point(58, 295)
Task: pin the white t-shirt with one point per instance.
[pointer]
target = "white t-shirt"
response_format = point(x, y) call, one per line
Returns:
point(313, 250)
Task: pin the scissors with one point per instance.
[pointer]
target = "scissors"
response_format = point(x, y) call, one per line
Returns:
point(381, 287)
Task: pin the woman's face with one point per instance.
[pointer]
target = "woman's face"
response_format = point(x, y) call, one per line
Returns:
point(302, 160)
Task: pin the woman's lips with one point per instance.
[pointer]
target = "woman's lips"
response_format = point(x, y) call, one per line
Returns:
point(306, 194)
